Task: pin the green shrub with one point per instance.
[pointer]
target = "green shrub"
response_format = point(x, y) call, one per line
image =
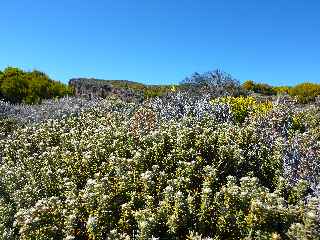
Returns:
point(18, 86)
point(258, 88)
point(282, 89)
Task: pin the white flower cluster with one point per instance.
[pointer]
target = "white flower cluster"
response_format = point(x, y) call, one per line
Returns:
point(195, 174)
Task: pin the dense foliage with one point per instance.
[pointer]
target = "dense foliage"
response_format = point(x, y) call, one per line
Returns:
point(48, 109)
point(305, 92)
point(177, 167)
point(18, 86)
point(242, 107)
point(261, 88)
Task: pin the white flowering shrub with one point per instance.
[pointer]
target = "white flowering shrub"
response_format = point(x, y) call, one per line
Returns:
point(52, 109)
point(183, 104)
point(119, 170)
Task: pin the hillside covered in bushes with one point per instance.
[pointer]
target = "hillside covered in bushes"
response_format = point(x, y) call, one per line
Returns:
point(304, 92)
point(205, 160)
point(31, 87)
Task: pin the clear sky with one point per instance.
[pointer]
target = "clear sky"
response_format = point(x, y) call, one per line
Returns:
point(162, 41)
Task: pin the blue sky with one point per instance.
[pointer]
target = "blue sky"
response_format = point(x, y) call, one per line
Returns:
point(162, 41)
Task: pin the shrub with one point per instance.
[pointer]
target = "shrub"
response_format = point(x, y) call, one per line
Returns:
point(18, 86)
point(258, 88)
point(118, 170)
point(7, 126)
point(305, 92)
point(242, 107)
point(282, 89)
point(216, 83)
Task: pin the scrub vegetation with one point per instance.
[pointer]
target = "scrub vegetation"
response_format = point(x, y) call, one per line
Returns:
point(205, 159)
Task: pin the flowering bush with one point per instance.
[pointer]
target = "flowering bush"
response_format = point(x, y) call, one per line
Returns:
point(241, 107)
point(7, 125)
point(59, 108)
point(305, 92)
point(180, 105)
point(169, 168)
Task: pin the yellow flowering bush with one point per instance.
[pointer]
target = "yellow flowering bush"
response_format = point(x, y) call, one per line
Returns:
point(241, 107)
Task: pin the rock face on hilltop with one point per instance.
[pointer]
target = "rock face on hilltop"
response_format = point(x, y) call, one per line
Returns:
point(85, 87)
point(93, 88)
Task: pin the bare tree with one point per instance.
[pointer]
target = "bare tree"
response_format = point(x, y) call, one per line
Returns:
point(216, 83)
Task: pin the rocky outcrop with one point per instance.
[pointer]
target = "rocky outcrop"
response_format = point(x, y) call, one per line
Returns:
point(90, 87)
point(93, 88)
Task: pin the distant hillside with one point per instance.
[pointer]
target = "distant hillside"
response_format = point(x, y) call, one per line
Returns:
point(31, 87)
point(126, 90)
point(305, 92)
